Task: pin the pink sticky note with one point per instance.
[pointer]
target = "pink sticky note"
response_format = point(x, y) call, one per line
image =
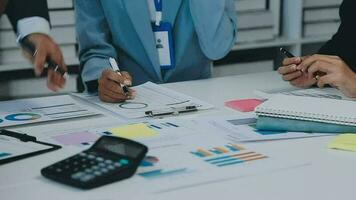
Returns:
point(76, 138)
point(243, 105)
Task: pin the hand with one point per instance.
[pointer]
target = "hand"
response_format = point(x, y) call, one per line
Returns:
point(336, 73)
point(109, 86)
point(47, 48)
point(296, 77)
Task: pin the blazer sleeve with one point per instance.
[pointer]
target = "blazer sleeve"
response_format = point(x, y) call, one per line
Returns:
point(19, 9)
point(215, 25)
point(94, 38)
point(343, 43)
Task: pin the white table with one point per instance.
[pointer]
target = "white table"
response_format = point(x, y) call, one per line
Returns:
point(329, 174)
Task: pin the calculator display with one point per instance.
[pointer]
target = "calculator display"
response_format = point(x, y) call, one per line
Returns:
point(119, 147)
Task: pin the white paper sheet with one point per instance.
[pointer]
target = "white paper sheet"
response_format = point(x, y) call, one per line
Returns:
point(240, 128)
point(150, 96)
point(43, 109)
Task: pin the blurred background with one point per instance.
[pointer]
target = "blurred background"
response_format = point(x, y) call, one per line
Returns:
point(264, 26)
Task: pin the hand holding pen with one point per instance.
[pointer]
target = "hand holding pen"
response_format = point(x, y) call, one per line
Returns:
point(292, 72)
point(41, 49)
point(114, 84)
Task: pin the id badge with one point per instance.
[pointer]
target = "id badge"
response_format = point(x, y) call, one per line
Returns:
point(164, 44)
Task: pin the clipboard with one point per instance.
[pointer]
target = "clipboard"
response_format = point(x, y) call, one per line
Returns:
point(15, 146)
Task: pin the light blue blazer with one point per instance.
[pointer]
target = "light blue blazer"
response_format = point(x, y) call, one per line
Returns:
point(204, 30)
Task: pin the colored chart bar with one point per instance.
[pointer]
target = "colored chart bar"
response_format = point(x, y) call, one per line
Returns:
point(197, 153)
point(230, 156)
point(4, 154)
point(159, 173)
point(217, 150)
point(235, 159)
point(171, 124)
point(154, 126)
point(234, 147)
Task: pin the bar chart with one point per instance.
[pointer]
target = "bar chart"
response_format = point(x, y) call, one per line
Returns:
point(227, 155)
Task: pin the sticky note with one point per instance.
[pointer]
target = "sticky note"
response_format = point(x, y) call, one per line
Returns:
point(345, 142)
point(243, 105)
point(76, 138)
point(133, 131)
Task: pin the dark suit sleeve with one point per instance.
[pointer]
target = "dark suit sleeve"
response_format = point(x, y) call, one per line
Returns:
point(19, 9)
point(343, 43)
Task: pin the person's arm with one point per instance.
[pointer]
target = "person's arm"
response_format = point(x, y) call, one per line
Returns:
point(30, 21)
point(18, 10)
point(215, 24)
point(343, 43)
point(95, 49)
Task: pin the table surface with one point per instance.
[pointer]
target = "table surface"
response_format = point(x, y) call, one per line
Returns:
point(328, 174)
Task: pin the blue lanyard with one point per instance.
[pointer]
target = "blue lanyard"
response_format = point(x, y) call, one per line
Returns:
point(158, 5)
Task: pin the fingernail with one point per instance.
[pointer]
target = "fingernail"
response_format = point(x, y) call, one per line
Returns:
point(294, 67)
point(127, 82)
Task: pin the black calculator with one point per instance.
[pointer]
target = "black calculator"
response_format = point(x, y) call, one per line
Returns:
point(109, 159)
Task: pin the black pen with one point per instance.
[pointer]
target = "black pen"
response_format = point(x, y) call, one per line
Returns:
point(28, 46)
point(286, 52)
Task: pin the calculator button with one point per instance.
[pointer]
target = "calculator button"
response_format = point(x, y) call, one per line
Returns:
point(99, 159)
point(91, 157)
point(59, 170)
point(92, 162)
point(77, 175)
point(86, 178)
point(104, 170)
point(82, 154)
point(124, 161)
point(108, 161)
point(97, 173)
point(88, 170)
point(95, 167)
point(111, 167)
point(101, 164)
point(117, 164)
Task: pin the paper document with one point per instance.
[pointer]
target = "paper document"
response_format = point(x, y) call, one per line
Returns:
point(329, 93)
point(241, 128)
point(193, 154)
point(42, 109)
point(150, 97)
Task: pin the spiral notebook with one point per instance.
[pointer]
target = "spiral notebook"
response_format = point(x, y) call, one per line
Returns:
point(342, 112)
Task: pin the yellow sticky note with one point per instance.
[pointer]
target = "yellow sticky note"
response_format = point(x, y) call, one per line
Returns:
point(133, 131)
point(345, 142)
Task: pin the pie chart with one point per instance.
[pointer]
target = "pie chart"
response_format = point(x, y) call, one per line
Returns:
point(22, 117)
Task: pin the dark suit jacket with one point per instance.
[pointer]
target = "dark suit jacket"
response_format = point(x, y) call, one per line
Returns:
point(19, 9)
point(343, 43)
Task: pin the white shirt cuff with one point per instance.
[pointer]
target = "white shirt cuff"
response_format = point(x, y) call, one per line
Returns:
point(29, 25)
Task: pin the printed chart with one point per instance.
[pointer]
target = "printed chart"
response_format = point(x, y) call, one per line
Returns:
point(26, 111)
point(157, 173)
point(227, 155)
